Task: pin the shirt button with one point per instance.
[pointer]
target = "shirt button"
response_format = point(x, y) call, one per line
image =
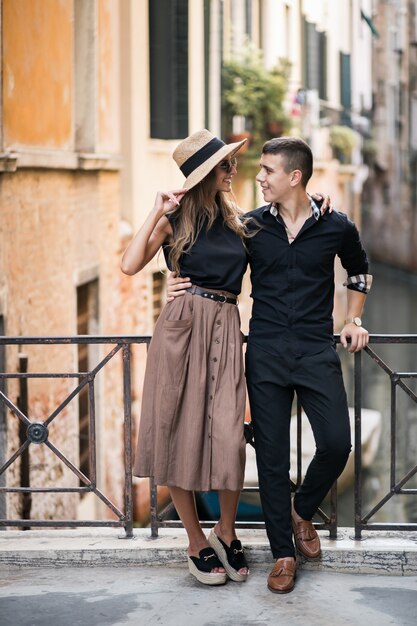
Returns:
point(211, 397)
point(218, 322)
point(217, 341)
point(209, 417)
point(212, 378)
point(215, 359)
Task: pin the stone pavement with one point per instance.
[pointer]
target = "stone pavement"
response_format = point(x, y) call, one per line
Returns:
point(91, 577)
point(168, 596)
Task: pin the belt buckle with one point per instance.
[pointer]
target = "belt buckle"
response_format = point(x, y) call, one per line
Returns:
point(221, 295)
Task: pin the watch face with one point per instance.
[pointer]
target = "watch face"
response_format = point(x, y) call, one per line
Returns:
point(357, 321)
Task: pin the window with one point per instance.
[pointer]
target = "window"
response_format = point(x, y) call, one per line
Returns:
point(323, 66)
point(315, 59)
point(168, 56)
point(345, 88)
point(311, 56)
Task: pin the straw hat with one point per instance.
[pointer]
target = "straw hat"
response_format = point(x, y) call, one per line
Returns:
point(199, 153)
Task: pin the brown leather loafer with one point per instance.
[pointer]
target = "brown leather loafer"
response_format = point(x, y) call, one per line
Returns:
point(306, 538)
point(282, 577)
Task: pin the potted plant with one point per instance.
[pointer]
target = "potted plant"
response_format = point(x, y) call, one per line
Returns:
point(342, 140)
point(253, 97)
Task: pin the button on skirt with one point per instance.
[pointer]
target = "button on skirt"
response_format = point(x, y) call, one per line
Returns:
point(193, 404)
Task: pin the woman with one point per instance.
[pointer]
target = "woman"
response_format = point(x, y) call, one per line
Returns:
point(191, 429)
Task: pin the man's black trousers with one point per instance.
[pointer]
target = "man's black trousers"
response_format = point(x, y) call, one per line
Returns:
point(272, 381)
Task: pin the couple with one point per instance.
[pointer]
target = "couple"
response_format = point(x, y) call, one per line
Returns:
point(191, 435)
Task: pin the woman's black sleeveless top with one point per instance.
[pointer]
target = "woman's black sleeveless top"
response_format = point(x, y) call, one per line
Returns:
point(217, 259)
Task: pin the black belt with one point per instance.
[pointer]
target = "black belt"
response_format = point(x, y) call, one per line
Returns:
point(217, 297)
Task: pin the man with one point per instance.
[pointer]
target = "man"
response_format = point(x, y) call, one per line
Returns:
point(291, 347)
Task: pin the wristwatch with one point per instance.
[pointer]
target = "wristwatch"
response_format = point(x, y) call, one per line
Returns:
point(354, 320)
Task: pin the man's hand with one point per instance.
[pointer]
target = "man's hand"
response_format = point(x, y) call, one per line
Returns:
point(359, 337)
point(176, 286)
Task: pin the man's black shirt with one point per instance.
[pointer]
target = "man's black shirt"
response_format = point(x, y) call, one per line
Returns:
point(293, 284)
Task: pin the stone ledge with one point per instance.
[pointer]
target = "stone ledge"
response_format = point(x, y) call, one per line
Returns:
point(58, 159)
point(376, 553)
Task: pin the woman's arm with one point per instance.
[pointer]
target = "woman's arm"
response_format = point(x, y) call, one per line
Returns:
point(326, 202)
point(152, 234)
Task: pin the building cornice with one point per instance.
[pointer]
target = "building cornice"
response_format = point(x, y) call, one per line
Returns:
point(59, 160)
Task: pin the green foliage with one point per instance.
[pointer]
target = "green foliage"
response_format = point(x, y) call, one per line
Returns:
point(343, 140)
point(250, 90)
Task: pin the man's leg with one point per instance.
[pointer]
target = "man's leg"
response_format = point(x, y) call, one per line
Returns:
point(270, 405)
point(322, 395)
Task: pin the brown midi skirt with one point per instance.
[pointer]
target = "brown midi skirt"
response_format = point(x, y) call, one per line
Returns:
point(193, 405)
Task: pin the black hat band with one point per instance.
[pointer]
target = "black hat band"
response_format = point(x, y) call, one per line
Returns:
point(199, 157)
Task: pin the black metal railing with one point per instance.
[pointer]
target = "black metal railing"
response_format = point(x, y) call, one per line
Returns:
point(396, 484)
point(37, 433)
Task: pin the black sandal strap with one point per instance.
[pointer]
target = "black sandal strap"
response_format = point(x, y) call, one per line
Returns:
point(207, 560)
point(235, 554)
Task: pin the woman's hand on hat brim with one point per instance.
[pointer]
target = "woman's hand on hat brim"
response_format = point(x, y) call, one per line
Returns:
point(165, 201)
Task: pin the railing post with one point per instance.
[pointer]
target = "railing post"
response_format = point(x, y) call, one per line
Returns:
point(393, 428)
point(92, 474)
point(154, 507)
point(333, 511)
point(23, 403)
point(358, 442)
point(127, 408)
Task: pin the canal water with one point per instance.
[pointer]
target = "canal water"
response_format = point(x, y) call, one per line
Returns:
point(391, 308)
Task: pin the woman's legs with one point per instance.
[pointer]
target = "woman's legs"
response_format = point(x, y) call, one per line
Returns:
point(225, 527)
point(184, 503)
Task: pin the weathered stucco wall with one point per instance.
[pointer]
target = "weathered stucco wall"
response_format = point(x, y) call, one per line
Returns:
point(38, 73)
point(59, 228)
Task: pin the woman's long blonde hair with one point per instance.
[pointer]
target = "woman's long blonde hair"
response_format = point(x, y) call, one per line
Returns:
point(197, 205)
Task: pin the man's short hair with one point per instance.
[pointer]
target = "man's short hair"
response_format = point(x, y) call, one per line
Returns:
point(297, 154)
